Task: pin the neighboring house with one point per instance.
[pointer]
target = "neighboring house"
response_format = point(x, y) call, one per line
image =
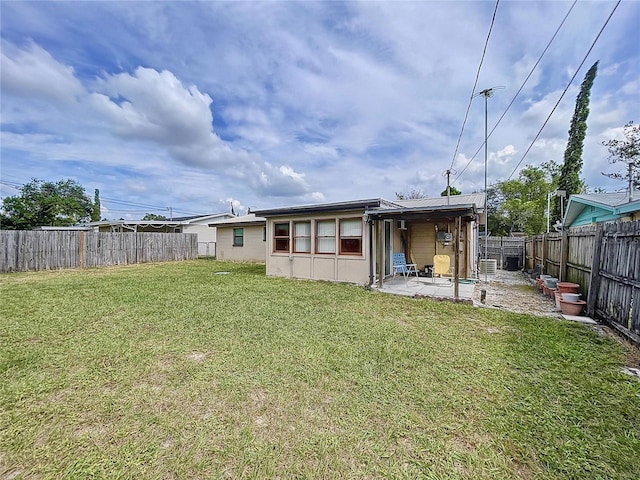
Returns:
point(354, 241)
point(71, 228)
point(601, 207)
point(241, 238)
point(194, 224)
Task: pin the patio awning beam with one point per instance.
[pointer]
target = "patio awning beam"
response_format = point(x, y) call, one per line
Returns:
point(434, 213)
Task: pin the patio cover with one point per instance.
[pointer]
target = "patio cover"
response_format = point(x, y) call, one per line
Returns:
point(443, 212)
point(455, 213)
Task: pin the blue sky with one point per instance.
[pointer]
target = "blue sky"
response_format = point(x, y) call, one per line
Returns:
point(193, 105)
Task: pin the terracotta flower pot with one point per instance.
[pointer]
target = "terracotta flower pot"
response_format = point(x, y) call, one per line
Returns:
point(567, 287)
point(558, 298)
point(572, 308)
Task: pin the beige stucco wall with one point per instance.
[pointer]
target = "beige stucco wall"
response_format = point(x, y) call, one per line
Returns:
point(423, 244)
point(253, 249)
point(332, 267)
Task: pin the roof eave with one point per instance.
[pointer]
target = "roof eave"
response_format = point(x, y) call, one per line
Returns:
point(468, 211)
point(326, 207)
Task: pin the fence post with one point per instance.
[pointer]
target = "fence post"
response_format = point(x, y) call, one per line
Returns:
point(533, 252)
point(544, 254)
point(81, 250)
point(456, 242)
point(564, 255)
point(594, 277)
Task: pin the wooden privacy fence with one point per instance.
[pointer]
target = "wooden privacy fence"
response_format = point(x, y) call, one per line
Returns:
point(604, 260)
point(502, 248)
point(25, 250)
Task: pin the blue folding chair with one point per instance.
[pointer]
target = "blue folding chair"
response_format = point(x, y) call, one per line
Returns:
point(400, 266)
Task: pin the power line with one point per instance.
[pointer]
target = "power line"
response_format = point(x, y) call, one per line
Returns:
point(132, 204)
point(566, 88)
point(475, 83)
point(17, 186)
point(519, 90)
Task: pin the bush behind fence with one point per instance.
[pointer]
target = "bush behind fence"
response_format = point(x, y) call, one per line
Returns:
point(26, 250)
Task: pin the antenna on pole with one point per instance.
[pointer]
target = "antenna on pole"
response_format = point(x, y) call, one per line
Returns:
point(486, 93)
point(448, 173)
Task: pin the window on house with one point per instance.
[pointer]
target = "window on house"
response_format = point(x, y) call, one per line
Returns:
point(302, 237)
point(238, 237)
point(326, 236)
point(351, 236)
point(281, 237)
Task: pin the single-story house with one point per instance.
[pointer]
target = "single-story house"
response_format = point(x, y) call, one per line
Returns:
point(198, 224)
point(590, 208)
point(241, 238)
point(354, 241)
point(70, 228)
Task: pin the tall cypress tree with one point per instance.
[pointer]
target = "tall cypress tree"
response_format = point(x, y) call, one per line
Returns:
point(95, 212)
point(569, 179)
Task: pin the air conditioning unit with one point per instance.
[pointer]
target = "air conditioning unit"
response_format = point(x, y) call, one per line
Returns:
point(445, 237)
point(402, 225)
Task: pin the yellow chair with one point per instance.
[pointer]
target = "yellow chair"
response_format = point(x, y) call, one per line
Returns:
point(441, 266)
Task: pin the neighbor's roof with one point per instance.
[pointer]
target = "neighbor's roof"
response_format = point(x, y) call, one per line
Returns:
point(199, 218)
point(82, 227)
point(476, 199)
point(616, 203)
point(174, 222)
point(329, 207)
point(615, 199)
point(242, 221)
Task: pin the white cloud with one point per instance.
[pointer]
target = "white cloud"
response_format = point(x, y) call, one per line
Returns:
point(152, 105)
point(33, 72)
point(318, 197)
point(280, 181)
point(319, 150)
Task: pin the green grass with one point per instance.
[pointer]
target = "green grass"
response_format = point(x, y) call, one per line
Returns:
point(171, 371)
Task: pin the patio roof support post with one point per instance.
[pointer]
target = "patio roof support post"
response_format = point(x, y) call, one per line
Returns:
point(456, 244)
point(380, 251)
point(371, 261)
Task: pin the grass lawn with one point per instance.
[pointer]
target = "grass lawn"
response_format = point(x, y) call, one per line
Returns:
point(173, 371)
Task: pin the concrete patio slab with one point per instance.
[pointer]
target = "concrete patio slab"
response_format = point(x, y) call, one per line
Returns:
point(426, 287)
point(575, 318)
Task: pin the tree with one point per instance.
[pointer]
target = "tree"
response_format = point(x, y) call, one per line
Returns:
point(95, 213)
point(412, 195)
point(41, 203)
point(153, 216)
point(497, 222)
point(626, 151)
point(569, 179)
point(452, 191)
point(519, 205)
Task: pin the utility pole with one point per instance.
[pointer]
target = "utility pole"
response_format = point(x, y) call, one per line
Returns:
point(170, 213)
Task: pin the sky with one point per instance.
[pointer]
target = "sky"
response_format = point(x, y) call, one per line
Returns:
point(186, 108)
